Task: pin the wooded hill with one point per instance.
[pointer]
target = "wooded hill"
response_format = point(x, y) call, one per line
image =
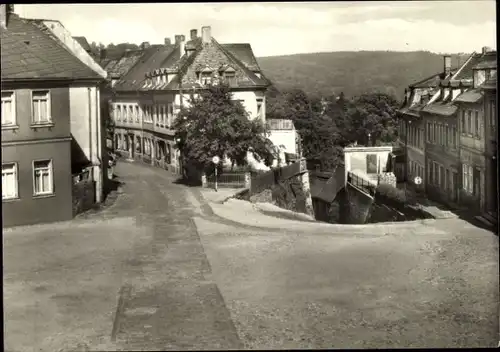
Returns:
point(354, 73)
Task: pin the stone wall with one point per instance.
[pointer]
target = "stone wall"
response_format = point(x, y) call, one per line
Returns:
point(356, 206)
point(83, 196)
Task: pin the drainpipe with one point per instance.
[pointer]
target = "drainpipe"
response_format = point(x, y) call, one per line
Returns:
point(104, 168)
point(89, 104)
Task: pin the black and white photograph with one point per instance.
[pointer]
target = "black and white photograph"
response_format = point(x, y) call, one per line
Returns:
point(249, 175)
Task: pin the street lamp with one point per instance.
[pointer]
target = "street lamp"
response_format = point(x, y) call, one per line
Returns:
point(215, 160)
point(369, 136)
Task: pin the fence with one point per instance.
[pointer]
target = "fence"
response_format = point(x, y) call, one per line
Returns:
point(229, 180)
point(361, 183)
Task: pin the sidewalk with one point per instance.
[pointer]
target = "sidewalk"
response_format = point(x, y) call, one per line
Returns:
point(249, 214)
point(221, 195)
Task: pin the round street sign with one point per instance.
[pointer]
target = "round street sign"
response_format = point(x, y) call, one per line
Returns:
point(418, 180)
point(215, 159)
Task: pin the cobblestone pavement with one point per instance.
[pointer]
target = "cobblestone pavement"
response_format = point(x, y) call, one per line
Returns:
point(192, 280)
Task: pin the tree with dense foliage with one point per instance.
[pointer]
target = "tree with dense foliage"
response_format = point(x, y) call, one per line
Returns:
point(216, 125)
point(373, 119)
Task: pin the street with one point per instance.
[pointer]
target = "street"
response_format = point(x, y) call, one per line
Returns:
point(157, 270)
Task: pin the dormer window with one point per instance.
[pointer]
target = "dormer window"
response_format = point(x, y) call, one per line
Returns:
point(230, 77)
point(205, 77)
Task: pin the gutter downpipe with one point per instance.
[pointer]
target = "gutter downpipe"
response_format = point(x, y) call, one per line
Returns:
point(89, 105)
point(104, 168)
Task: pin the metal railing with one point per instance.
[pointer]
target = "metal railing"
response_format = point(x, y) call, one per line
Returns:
point(230, 180)
point(361, 183)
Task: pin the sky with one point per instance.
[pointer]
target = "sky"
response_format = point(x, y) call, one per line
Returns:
point(288, 28)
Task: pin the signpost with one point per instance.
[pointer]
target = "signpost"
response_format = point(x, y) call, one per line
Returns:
point(215, 160)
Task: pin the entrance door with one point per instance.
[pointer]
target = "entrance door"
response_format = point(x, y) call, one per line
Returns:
point(492, 194)
point(477, 185)
point(454, 186)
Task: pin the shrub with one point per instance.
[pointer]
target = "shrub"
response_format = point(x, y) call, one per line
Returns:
point(392, 193)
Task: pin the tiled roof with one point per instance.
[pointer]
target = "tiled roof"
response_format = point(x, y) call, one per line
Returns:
point(444, 109)
point(244, 53)
point(168, 58)
point(466, 72)
point(83, 42)
point(118, 68)
point(471, 96)
point(31, 51)
point(488, 62)
point(432, 81)
point(151, 60)
point(490, 84)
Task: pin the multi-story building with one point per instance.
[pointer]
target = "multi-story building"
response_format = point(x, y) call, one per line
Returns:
point(49, 122)
point(411, 129)
point(489, 90)
point(441, 144)
point(149, 96)
point(476, 150)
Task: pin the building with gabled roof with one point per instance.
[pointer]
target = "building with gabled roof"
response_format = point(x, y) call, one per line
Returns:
point(149, 96)
point(50, 123)
point(476, 119)
point(411, 128)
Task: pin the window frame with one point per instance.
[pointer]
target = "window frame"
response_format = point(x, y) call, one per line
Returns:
point(16, 181)
point(14, 111)
point(49, 108)
point(51, 178)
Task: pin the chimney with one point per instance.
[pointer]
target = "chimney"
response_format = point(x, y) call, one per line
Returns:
point(5, 9)
point(486, 49)
point(180, 40)
point(206, 34)
point(167, 41)
point(102, 54)
point(447, 65)
point(194, 34)
point(145, 45)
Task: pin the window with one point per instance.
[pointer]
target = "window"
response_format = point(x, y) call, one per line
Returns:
point(448, 180)
point(493, 114)
point(429, 171)
point(9, 181)
point(131, 113)
point(205, 77)
point(467, 176)
point(463, 122)
point(137, 113)
point(259, 107)
point(230, 77)
point(441, 177)
point(447, 136)
point(454, 137)
point(476, 123)
point(170, 114)
point(434, 133)
point(163, 115)
point(469, 122)
point(8, 109)
point(429, 139)
point(41, 107)
point(371, 164)
point(436, 173)
point(42, 177)
point(155, 114)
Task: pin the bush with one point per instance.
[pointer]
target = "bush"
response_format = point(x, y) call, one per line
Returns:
point(392, 193)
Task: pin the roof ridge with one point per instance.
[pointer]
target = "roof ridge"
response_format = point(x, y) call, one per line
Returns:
point(48, 33)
